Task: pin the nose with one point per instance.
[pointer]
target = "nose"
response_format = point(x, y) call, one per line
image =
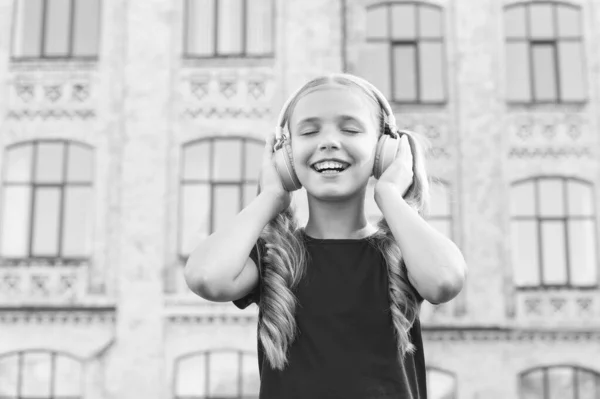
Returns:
point(329, 140)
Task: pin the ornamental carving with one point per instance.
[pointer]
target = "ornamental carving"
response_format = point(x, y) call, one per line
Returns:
point(577, 307)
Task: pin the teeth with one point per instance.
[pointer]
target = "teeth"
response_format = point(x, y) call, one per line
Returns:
point(329, 165)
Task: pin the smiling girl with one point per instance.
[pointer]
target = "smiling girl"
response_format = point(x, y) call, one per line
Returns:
point(339, 298)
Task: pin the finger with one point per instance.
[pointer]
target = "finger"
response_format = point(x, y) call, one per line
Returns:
point(269, 143)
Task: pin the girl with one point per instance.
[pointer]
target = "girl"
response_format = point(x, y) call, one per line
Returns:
point(339, 298)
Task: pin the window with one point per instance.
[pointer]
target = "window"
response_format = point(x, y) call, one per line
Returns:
point(440, 212)
point(405, 52)
point(56, 29)
point(47, 201)
point(229, 28)
point(217, 374)
point(560, 382)
point(544, 53)
point(440, 384)
point(41, 375)
point(219, 178)
point(553, 233)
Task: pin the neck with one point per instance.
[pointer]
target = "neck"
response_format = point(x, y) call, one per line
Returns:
point(338, 219)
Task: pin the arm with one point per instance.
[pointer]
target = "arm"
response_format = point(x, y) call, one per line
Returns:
point(436, 267)
point(219, 268)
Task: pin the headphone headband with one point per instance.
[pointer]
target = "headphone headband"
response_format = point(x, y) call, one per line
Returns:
point(383, 103)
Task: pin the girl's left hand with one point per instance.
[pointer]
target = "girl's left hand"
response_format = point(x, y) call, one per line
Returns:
point(400, 173)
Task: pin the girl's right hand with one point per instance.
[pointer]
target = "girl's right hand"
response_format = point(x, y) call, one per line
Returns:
point(269, 180)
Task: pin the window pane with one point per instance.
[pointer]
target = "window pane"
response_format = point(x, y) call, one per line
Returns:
point(377, 22)
point(191, 377)
point(37, 368)
point(79, 164)
point(580, 198)
point(18, 163)
point(442, 225)
point(196, 158)
point(46, 222)
point(227, 160)
point(541, 21)
point(560, 383)
point(551, 198)
point(68, 379)
point(249, 193)
point(588, 385)
point(517, 64)
point(28, 28)
point(200, 27)
point(260, 26)
point(49, 163)
point(77, 227)
point(9, 376)
point(440, 200)
point(403, 21)
point(570, 64)
point(431, 76)
point(251, 379)
point(553, 252)
point(582, 252)
point(86, 29)
point(440, 385)
point(524, 239)
point(58, 23)
point(405, 88)
point(224, 374)
point(195, 215)
point(230, 40)
point(376, 64)
point(569, 22)
point(226, 206)
point(254, 153)
point(522, 199)
point(544, 72)
point(514, 22)
point(532, 385)
point(15, 221)
point(430, 22)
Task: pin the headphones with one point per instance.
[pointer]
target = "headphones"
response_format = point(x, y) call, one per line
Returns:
point(385, 153)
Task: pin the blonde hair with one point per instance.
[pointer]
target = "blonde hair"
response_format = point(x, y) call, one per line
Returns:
point(285, 261)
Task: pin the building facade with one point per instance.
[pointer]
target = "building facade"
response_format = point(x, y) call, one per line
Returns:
point(130, 129)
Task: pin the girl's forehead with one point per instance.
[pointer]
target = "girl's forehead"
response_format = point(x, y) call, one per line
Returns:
point(332, 99)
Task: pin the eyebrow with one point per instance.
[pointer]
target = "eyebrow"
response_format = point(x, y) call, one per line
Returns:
point(343, 118)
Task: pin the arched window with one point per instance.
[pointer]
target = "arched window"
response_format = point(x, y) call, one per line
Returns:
point(40, 374)
point(544, 53)
point(440, 384)
point(564, 382)
point(219, 177)
point(56, 29)
point(217, 374)
point(405, 51)
point(553, 233)
point(47, 201)
point(229, 28)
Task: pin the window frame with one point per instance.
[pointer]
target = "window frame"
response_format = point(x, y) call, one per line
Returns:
point(546, 388)
point(538, 218)
point(59, 258)
point(553, 42)
point(415, 44)
point(43, 42)
point(187, 55)
point(211, 182)
point(207, 355)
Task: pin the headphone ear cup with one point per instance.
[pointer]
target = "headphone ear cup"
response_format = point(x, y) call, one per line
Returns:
point(387, 148)
point(285, 168)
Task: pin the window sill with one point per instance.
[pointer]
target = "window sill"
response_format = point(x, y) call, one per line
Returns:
point(575, 106)
point(234, 62)
point(53, 64)
point(403, 107)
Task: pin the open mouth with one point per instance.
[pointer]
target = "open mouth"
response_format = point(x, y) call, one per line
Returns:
point(330, 167)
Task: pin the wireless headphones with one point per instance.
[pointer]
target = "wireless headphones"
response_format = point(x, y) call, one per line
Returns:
point(385, 153)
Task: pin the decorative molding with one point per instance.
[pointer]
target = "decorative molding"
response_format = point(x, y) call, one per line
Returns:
point(51, 114)
point(501, 334)
point(547, 127)
point(227, 113)
point(214, 319)
point(557, 306)
point(551, 153)
point(65, 315)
